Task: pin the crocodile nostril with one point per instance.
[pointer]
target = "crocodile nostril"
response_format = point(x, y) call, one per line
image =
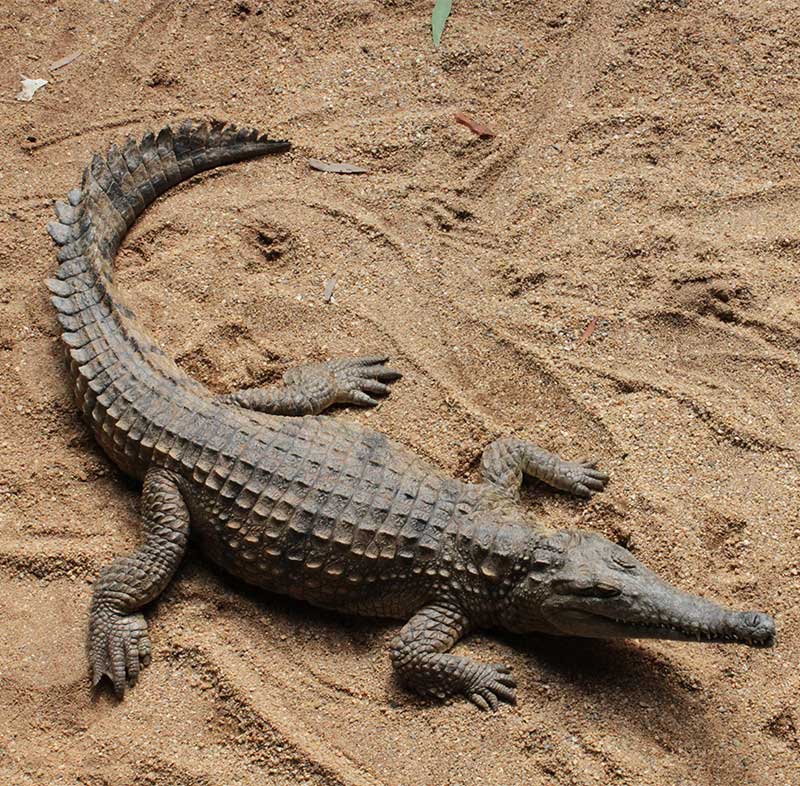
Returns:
point(755, 619)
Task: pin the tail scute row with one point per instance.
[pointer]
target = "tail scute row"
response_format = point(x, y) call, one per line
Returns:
point(114, 191)
point(117, 188)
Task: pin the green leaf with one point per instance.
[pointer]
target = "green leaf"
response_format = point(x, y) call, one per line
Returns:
point(439, 19)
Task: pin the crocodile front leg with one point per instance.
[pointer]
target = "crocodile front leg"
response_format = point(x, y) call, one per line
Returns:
point(419, 655)
point(506, 461)
point(312, 388)
point(118, 642)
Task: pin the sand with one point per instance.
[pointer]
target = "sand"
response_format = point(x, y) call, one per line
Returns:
point(644, 181)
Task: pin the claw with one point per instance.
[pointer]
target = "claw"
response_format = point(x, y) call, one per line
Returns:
point(382, 373)
point(371, 386)
point(593, 483)
point(358, 397)
point(506, 692)
point(479, 701)
point(144, 649)
point(132, 662)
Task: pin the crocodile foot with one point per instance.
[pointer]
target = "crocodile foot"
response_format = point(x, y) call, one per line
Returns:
point(355, 380)
point(581, 477)
point(118, 648)
point(492, 684)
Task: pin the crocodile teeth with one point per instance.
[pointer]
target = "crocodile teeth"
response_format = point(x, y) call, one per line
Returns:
point(702, 634)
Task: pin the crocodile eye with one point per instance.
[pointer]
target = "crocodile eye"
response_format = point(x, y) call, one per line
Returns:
point(586, 587)
point(627, 563)
point(603, 589)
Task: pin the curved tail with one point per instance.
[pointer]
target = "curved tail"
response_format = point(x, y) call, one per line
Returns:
point(107, 350)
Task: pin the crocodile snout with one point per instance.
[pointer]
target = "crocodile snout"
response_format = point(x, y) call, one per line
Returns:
point(758, 628)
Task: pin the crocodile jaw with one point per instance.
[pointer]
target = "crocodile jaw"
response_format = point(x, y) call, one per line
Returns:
point(752, 628)
point(652, 609)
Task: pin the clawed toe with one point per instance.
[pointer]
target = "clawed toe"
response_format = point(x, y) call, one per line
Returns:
point(593, 483)
point(359, 397)
point(383, 373)
point(371, 386)
point(483, 702)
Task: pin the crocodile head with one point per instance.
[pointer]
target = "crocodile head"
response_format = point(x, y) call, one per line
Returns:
point(581, 584)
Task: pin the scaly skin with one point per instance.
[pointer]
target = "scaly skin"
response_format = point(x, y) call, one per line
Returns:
point(317, 508)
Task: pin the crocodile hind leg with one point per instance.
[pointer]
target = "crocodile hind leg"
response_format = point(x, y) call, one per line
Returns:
point(118, 642)
point(312, 388)
point(506, 461)
point(420, 657)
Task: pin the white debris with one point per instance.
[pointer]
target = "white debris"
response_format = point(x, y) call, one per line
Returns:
point(29, 87)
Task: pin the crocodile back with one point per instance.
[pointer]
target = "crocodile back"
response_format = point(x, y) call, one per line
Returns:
point(329, 512)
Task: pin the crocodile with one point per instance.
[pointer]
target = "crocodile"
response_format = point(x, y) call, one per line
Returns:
point(315, 507)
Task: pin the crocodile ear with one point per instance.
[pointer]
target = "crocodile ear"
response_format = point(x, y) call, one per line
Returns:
point(542, 559)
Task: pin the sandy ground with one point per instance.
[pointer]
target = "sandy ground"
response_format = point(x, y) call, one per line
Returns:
point(645, 174)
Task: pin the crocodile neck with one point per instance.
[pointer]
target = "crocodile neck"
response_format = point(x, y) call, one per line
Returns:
point(134, 397)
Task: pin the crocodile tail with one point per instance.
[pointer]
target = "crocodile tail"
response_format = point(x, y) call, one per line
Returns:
point(116, 189)
point(102, 338)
